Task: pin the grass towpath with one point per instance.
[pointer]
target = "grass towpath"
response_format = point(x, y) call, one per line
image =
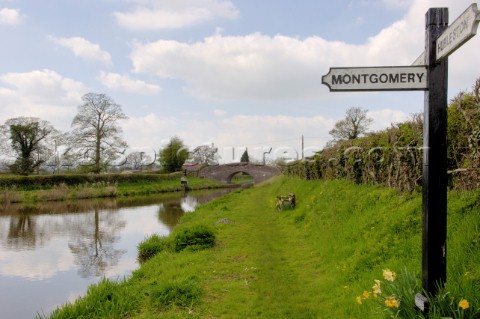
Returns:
point(273, 274)
point(263, 266)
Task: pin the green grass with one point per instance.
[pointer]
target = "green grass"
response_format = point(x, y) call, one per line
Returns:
point(309, 262)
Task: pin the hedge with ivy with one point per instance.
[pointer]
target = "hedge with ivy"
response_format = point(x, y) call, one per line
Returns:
point(393, 157)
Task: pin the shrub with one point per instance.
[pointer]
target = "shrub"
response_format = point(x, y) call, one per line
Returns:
point(152, 246)
point(194, 238)
point(106, 299)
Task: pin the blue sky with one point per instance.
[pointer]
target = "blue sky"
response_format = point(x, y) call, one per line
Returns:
point(235, 73)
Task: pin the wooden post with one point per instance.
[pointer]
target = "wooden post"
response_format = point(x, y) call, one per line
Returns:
point(434, 216)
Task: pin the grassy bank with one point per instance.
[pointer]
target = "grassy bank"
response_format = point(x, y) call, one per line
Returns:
point(309, 262)
point(38, 189)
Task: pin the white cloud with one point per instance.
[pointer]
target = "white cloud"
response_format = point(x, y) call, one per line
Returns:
point(84, 49)
point(125, 83)
point(219, 112)
point(397, 3)
point(157, 14)
point(147, 133)
point(41, 93)
point(238, 67)
point(261, 67)
point(385, 117)
point(10, 16)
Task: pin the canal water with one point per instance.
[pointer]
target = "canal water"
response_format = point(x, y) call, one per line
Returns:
point(50, 253)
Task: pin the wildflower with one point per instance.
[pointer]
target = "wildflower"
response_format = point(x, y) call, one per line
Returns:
point(389, 275)
point(463, 304)
point(359, 300)
point(376, 287)
point(392, 302)
point(366, 294)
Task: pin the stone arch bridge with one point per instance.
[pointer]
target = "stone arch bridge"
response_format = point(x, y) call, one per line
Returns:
point(225, 172)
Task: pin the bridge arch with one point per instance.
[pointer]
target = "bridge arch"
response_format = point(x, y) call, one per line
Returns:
point(224, 173)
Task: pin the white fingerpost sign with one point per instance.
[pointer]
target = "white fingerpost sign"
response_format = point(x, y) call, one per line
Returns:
point(387, 78)
point(459, 32)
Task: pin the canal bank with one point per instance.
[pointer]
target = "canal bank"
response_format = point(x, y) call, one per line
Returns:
point(33, 189)
point(309, 262)
point(52, 251)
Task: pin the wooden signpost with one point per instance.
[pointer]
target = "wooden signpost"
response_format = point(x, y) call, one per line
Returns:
point(428, 72)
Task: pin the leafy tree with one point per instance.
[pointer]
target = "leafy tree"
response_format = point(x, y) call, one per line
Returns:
point(245, 158)
point(204, 154)
point(30, 140)
point(173, 155)
point(354, 125)
point(96, 137)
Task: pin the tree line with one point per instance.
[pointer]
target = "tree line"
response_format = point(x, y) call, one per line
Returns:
point(32, 145)
point(393, 157)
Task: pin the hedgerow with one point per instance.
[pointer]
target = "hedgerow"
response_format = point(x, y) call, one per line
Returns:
point(393, 157)
point(48, 181)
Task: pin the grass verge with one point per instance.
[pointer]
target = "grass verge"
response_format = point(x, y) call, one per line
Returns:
point(63, 191)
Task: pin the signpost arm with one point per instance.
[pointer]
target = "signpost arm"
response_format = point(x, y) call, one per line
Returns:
point(434, 213)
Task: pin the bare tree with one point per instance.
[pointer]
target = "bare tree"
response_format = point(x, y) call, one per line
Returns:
point(354, 124)
point(137, 160)
point(30, 140)
point(204, 154)
point(96, 137)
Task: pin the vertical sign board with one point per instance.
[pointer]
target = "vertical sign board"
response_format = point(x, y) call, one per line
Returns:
point(428, 72)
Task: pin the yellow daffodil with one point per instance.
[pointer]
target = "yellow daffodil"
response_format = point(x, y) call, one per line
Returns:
point(464, 304)
point(366, 294)
point(392, 302)
point(389, 275)
point(376, 287)
point(359, 300)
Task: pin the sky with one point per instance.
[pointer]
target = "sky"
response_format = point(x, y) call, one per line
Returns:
point(236, 73)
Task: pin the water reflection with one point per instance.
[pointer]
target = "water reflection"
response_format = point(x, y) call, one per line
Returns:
point(188, 204)
point(63, 247)
point(21, 233)
point(92, 244)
